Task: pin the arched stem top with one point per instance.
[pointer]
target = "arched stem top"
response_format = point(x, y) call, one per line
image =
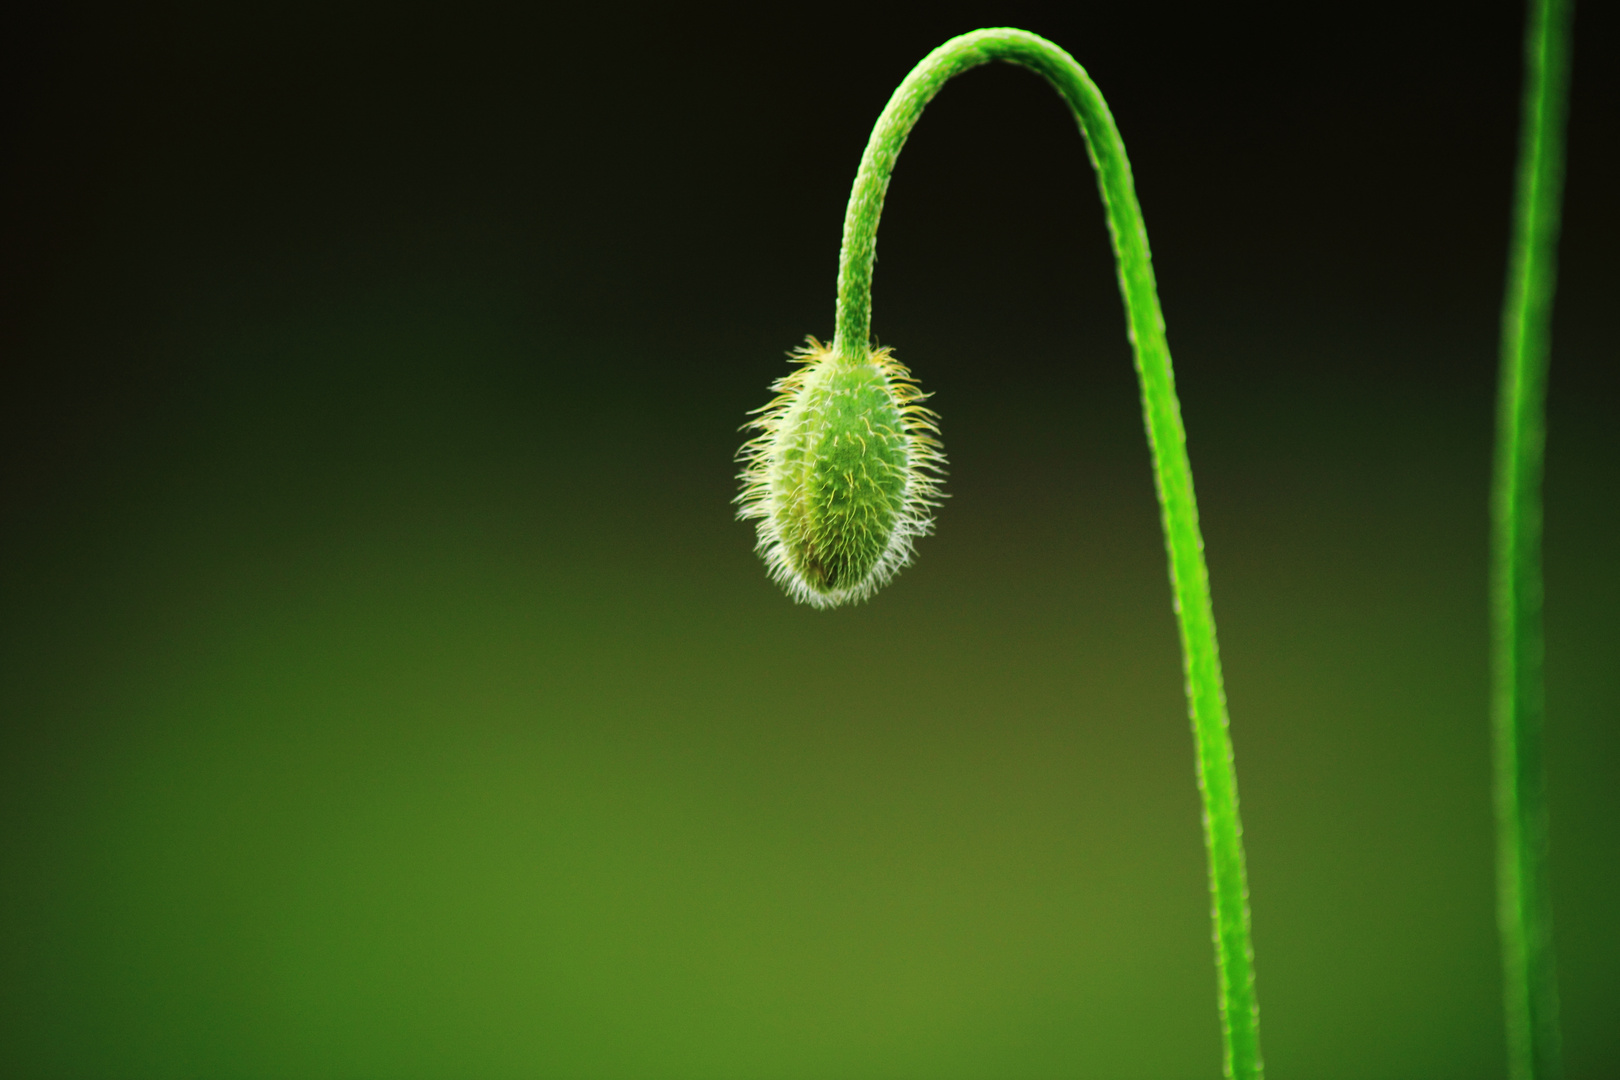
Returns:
point(1189, 579)
point(1103, 145)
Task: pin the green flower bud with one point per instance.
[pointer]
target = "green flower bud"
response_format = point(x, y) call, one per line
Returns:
point(842, 475)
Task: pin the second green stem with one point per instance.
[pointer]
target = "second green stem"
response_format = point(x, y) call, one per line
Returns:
point(1523, 889)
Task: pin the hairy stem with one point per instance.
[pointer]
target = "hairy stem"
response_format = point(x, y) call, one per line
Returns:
point(1523, 900)
point(1189, 579)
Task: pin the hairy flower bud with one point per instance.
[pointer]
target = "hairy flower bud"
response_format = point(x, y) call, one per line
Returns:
point(841, 476)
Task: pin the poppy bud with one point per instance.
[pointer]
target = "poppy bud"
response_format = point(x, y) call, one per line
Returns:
point(842, 475)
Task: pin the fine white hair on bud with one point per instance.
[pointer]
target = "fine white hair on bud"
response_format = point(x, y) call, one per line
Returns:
point(843, 474)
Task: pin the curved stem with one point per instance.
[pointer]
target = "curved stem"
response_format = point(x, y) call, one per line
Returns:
point(1523, 896)
point(1189, 579)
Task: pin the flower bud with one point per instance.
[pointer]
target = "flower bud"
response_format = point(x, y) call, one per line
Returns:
point(842, 475)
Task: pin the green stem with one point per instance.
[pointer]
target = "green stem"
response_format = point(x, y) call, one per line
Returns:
point(1523, 899)
point(1189, 579)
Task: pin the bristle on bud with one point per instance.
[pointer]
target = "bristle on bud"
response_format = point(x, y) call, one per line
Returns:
point(842, 476)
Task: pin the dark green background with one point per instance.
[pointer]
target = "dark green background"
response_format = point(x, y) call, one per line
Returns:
point(388, 692)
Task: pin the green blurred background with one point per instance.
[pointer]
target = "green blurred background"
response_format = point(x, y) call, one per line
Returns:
point(388, 692)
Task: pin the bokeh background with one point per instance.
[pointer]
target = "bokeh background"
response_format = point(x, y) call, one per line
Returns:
point(387, 690)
